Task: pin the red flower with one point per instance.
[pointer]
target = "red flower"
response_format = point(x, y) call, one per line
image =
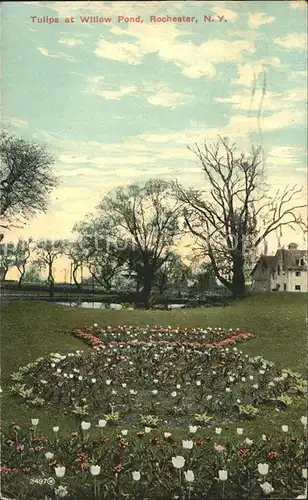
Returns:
point(272, 454)
point(118, 468)
point(243, 452)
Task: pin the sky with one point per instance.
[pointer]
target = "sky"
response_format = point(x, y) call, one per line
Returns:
point(120, 101)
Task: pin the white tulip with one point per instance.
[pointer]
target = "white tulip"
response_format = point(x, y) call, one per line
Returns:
point(147, 430)
point(60, 471)
point(304, 473)
point(102, 423)
point(248, 441)
point(34, 421)
point(93, 380)
point(187, 445)
point(108, 381)
point(285, 428)
point(263, 469)
point(198, 382)
point(55, 429)
point(223, 475)
point(154, 392)
point(95, 325)
point(173, 394)
point(95, 470)
point(178, 462)
point(124, 432)
point(136, 475)
point(218, 430)
point(193, 429)
point(240, 431)
point(189, 476)
point(304, 421)
point(267, 488)
point(167, 435)
point(85, 426)
point(49, 455)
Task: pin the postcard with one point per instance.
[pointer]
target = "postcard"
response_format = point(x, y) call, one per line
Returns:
point(153, 249)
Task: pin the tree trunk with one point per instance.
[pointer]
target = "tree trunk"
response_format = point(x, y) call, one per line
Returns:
point(21, 277)
point(238, 278)
point(147, 289)
point(74, 274)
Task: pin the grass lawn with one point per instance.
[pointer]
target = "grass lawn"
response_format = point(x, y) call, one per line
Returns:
point(33, 329)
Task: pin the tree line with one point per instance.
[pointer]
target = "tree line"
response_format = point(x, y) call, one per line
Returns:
point(136, 227)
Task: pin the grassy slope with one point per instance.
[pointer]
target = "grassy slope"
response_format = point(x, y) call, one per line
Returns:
point(30, 330)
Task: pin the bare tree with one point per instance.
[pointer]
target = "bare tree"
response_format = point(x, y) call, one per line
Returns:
point(48, 252)
point(236, 212)
point(22, 253)
point(145, 215)
point(7, 258)
point(26, 179)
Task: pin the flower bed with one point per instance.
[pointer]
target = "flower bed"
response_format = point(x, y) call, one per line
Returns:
point(170, 381)
point(144, 463)
point(193, 337)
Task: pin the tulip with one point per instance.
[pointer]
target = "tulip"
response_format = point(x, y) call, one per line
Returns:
point(154, 392)
point(263, 469)
point(264, 438)
point(193, 429)
point(108, 381)
point(173, 394)
point(49, 455)
point(198, 382)
point(102, 423)
point(267, 488)
point(85, 426)
point(93, 380)
point(240, 431)
point(124, 432)
point(95, 470)
point(304, 473)
point(60, 471)
point(223, 475)
point(95, 325)
point(178, 462)
point(248, 441)
point(304, 421)
point(136, 475)
point(167, 435)
point(34, 421)
point(218, 430)
point(187, 445)
point(284, 428)
point(55, 429)
point(304, 495)
point(147, 430)
point(189, 476)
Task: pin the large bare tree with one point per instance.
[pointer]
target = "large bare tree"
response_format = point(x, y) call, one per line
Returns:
point(145, 217)
point(235, 212)
point(26, 179)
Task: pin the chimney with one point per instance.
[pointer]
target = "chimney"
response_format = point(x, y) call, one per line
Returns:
point(292, 246)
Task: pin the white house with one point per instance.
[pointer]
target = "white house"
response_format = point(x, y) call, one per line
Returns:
point(286, 271)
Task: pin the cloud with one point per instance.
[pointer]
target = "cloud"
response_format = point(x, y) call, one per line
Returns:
point(194, 60)
point(246, 101)
point(280, 156)
point(164, 96)
point(249, 73)
point(95, 87)
point(45, 52)
point(155, 93)
point(15, 122)
point(71, 42)
point(256, 19)
point(301, 4)
point(293, 41)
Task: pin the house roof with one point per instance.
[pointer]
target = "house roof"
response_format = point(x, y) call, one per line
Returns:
point(266, 262)
point(288, 259)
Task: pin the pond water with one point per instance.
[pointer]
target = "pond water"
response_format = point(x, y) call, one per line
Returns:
point(102, 305)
